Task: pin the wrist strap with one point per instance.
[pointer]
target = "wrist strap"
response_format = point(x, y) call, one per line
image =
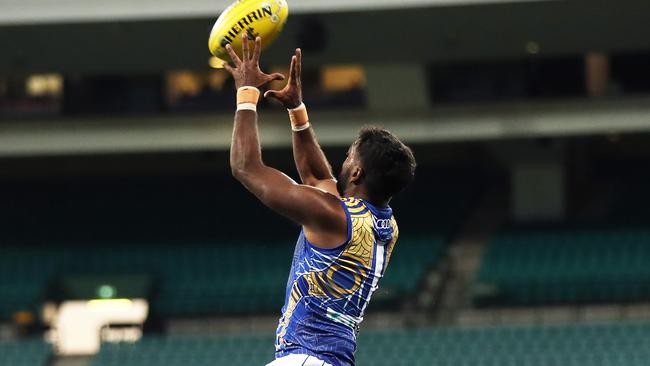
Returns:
point(248, 94)
point(247, 107)
point(299, 118)
point(301, 128)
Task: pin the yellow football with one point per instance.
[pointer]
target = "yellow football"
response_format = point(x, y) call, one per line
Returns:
point(254, 17)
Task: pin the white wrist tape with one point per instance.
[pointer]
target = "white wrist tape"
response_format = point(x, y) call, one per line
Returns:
point(301, 127)
point(247, 107)
point(299, 117)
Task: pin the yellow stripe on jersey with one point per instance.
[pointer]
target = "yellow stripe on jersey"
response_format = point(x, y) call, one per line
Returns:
point(363, 238)
point(356, 210)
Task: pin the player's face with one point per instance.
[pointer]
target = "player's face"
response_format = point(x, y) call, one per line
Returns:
point(341, 183)
point(346, 171)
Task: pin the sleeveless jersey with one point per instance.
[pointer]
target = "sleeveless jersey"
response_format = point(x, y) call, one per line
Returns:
point(329, 289)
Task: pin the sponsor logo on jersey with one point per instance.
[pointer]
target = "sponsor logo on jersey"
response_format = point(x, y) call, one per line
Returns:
point(382, 223)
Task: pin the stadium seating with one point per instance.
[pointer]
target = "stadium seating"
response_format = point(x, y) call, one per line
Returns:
point(31, 352)
point(170, 230)
point(565, 265)
point(190, 351)
point(411, 260)
point(238, 277)
point(606, 344)
point(625, 344)
point(191, 278)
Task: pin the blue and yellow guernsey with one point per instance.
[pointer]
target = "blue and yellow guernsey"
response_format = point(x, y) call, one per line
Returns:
point(329, 289)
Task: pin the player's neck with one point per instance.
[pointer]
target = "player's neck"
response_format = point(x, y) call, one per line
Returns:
point(361, 193)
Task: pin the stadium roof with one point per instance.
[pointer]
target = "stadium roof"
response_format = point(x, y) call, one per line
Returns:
point(48, 11)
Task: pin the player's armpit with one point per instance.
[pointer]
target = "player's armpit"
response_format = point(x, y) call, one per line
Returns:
point(327, 185)
point(317, 210)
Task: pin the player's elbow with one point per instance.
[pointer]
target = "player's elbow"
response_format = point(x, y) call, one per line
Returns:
point(238, 167)
point(243, 172)
point(238, 172)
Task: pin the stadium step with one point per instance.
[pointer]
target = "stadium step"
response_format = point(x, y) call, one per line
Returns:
point(465, 254)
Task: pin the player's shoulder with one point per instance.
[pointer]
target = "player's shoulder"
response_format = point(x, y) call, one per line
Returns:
point(352, 201)
point(356, 207)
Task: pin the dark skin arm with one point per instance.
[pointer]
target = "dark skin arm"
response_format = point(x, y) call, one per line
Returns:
point(320, 213)
point(312, 165)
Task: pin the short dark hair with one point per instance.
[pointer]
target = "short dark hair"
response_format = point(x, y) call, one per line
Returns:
point(388, 164)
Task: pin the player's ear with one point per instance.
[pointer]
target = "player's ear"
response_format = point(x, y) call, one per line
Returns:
point(356, 175)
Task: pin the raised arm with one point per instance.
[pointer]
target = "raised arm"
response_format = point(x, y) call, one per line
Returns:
point(312, 165)
point(319, 212)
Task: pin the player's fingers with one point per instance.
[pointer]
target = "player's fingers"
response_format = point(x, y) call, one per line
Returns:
point(244, 47)
point(228, 67)
point(298, 63)
point(233, 55)
point(258, 49)
point(272, 94)
point(275, 76)
point(292, 69)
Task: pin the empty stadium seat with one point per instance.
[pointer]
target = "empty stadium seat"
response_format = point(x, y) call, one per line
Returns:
point(412, 259)
point(30, 352)
point(608, 344)
point(202, 260)
point(570, 265)
point(193, 278)
point(189, 351)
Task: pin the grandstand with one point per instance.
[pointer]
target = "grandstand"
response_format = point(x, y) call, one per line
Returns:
point(524, 240)
point(570, 265)
point(595, 344)
point(26, 352)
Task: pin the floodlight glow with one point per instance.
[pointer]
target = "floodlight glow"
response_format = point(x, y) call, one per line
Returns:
point(111, 304)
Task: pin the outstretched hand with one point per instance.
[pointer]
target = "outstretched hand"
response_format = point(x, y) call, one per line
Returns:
point(247, 70)
point(291, 95)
